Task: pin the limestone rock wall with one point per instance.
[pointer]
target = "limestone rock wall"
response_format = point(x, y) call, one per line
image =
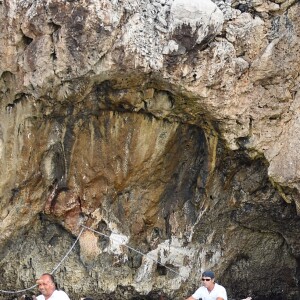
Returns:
point(169, 125)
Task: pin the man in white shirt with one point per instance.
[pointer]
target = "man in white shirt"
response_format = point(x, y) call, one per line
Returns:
point(210, 289)
point(47, 287)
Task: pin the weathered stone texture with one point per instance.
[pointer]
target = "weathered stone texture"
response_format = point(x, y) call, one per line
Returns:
point(171, 126)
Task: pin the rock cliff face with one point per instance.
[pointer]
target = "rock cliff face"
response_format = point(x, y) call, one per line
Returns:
point(170, 126)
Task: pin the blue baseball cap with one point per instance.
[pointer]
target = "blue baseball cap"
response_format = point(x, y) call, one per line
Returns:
point(210, 274)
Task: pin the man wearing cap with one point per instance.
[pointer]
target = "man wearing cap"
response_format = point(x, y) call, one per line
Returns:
point(210, 289)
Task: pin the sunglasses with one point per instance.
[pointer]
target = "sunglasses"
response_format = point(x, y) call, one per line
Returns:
point(206, 279)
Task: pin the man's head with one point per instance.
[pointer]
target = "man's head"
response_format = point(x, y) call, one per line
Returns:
point(46, 285)
point(208, 279)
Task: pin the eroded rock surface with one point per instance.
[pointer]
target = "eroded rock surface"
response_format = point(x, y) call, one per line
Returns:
point(169, 126)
